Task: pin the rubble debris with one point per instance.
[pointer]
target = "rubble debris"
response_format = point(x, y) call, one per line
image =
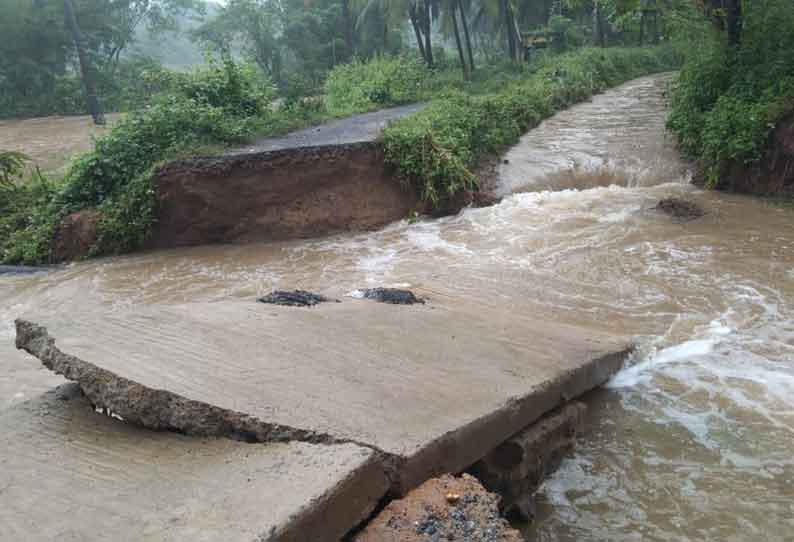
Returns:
point(426, 514)
point(680, 208)
point(295, 298)
point(395, 296)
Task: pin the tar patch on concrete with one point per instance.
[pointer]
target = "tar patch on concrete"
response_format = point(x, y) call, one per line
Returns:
point(394, 296)
point(295, 298)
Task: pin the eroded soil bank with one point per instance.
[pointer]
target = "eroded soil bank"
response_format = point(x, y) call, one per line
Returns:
point(281, 194)
point(771, 175)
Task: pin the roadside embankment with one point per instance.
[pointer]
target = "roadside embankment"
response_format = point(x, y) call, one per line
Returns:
point(771, 175)
point(129, 189)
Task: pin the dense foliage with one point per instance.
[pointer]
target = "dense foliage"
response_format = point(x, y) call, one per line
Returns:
point(383, 81)
point(436, 148)
point(217, 105)
point(730, 96)
point(38, 68)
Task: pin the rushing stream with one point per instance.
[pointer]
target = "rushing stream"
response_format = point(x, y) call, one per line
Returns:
point(695, 441)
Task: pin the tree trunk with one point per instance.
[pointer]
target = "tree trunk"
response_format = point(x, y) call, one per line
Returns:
point(734, 20)
point(511, 44)
point(385, 37)
point(417, 31)
point(466, 35)
point(458, 43)
point(642, 27)
point(598, 22)
point(89, 85)
point(348, 28)
point(428, 42)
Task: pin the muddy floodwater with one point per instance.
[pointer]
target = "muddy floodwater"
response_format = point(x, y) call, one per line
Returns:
point(694, 441)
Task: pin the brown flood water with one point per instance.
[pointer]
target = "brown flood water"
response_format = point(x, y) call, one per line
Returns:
point(693, 442)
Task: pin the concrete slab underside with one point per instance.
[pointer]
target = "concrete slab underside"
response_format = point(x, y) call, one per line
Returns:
point(433, 387)
point(70, 474)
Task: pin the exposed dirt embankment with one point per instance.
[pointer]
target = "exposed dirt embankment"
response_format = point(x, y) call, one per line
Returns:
point(282, 194)
point(773, 174)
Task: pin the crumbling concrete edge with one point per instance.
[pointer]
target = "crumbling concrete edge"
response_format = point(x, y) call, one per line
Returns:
point(159, 410)
point(458, 450)
point(332, 515)
point(453, 452)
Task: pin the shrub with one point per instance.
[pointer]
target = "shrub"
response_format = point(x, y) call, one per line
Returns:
point(20, 223)
point(11, 166)
point(727, 101)
point(383, 81)
point(220, 105)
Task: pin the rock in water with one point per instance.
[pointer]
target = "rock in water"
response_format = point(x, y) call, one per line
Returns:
point(427, 513)
point(680, 208)
point(392, 295)
point(295, 298)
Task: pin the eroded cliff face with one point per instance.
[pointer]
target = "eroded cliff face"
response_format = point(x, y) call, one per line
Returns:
point(276, 195)
point(773, 174)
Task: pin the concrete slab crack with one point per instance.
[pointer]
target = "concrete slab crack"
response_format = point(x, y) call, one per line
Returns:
point(161, 410)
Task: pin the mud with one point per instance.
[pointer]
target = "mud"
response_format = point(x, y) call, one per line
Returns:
point(442, 509)
point(282, 194)
point(75, 236)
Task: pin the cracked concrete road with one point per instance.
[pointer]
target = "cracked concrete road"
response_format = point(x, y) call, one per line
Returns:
point(434, 387)
point(356, 129)
point(68, 473)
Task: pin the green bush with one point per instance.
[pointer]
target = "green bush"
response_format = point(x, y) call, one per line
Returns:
point(383, 81)
point(727, 101)
point(436, 148)
point(221, 105)
point(12, 164)
point(20, 221)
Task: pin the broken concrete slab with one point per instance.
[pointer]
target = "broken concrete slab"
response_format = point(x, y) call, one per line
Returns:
point(69, 473)
point(434, 387)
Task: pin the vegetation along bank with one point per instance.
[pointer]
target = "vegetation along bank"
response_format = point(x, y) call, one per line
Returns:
point(227, 104)
point(733, 106)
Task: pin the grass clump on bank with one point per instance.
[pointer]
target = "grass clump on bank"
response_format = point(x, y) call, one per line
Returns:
point(436, 148)
point(729, 97)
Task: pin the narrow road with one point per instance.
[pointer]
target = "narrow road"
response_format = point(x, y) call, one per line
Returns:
point(356, 129)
